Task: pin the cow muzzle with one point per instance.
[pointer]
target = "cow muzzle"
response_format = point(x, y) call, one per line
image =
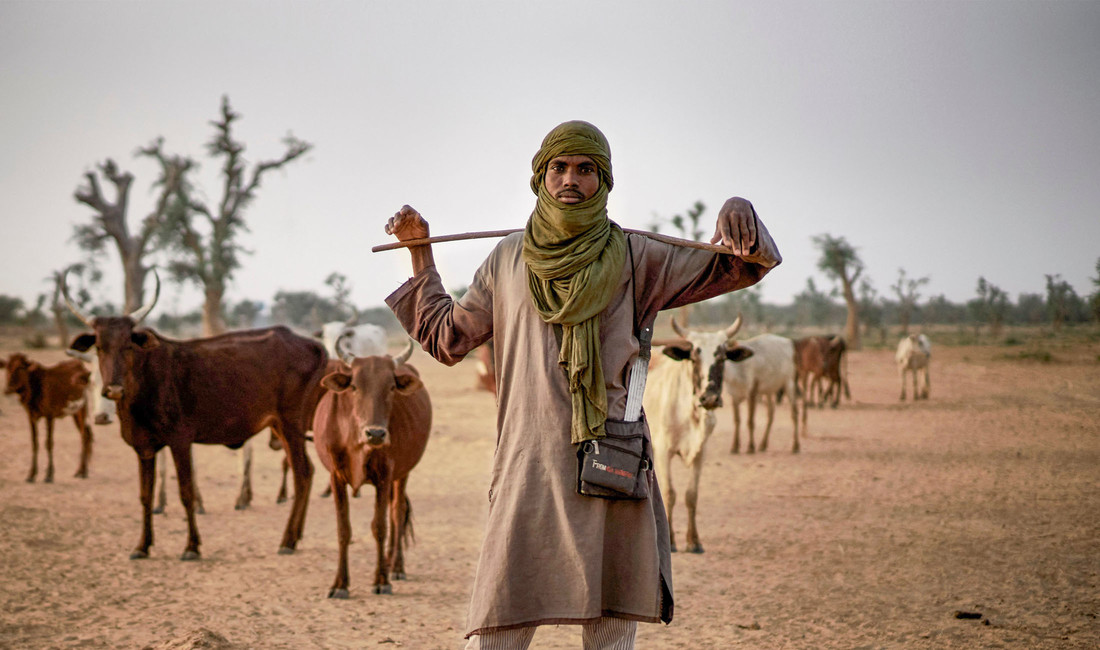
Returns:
point(374, 436)
point(113, 392)
point(710, 401)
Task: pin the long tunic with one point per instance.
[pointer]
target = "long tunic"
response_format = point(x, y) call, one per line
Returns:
point(551, 555)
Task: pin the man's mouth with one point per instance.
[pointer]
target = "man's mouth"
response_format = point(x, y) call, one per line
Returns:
point(569, 194)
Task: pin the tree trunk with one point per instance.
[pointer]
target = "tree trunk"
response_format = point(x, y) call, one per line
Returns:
point(212, 321)
point(851, 326)
point(134, 279)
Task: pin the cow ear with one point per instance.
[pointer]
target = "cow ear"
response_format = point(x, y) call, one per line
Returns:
point(144, 340)
point(337, 382)
point(738, 353)
point(407, 382)
point(677, 352)
point(82, 342)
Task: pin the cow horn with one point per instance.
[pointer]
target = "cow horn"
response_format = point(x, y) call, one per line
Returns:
point(86, 357)
point(732, 329)
point(404, 356)
point(354, 320)
point(345, 356)
point(68, 301)
point(142, 312)
point(676, 328)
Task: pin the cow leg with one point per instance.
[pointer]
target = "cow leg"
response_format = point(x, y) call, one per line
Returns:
point(769, 401)
point(692, 500)
point(662, 458)
point(295, 444)
point(34, 449)
point(81, 420)
point(282, 488)
point(382, 491)
point(901, 371)
point(49, 451)
point(399, 514)
point(916, 395)
point(794, 424)
point(244, 462)
point(343, 537)
point(752, 422)
point(927, 381)
point(182, 457)
point(735, 448)
point(146, 476)
point(161, 460)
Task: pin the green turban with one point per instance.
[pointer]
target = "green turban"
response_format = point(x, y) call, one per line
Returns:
point(575, 257)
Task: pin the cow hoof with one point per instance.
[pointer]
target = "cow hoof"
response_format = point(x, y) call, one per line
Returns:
point(750, 450)
point(241, 506)
point(48, 479)
point(383, 589)
point(80, 475)
point(341, 594)
point(30, 479)
point(796, 449)
point(200, 510)
point(189, 556)
point(159, 510)
point(697, 549)
point(398, 575)
point(286, 550)
point(763, 448)
point(280, 499)
point(139, 555)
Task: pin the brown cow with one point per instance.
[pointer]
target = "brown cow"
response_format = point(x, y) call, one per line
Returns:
point(372, 427)
point(51, 392)
point(220, 390)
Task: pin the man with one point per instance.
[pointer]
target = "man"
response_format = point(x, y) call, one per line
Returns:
point(564, 302)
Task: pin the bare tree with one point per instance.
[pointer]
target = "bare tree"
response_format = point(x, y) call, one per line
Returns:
point(1059, 297)
point(907, 291)
point(840, 262)
point(110, 221)
point(992, 305)
point(204, 238)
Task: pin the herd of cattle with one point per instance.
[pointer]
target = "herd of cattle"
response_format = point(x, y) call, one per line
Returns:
point(370, 415)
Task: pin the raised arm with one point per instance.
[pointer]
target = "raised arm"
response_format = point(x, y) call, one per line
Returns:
point(407, 224)
point(740, 228)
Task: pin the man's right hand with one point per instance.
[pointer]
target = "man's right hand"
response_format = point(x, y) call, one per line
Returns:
point(407, 224)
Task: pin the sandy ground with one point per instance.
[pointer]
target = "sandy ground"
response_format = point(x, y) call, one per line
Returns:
point(895, 516)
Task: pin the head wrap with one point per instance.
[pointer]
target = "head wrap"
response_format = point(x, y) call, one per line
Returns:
point(575, 257)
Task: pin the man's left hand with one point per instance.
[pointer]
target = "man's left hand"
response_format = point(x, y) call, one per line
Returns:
point(740, 229)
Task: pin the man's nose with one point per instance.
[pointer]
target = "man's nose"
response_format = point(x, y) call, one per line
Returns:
point(570, 179)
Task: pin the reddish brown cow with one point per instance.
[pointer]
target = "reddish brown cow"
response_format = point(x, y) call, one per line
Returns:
point(817, 359)
point(835, 349)
point(51, 392)
point(216, 391)
point(372, 427)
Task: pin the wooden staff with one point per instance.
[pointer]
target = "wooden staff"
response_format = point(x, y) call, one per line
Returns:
point(676, 241)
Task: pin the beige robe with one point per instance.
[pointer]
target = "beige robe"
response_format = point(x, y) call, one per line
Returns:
point(550, 555)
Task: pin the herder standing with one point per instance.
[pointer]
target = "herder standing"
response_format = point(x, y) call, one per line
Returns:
point(567, 302)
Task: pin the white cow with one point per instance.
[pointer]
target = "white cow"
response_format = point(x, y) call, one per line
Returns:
point(347, 338)
point(768, 371)
point(914, 355)
point(681, 395)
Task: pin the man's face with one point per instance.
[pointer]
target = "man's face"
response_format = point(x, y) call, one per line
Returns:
point(572, 179)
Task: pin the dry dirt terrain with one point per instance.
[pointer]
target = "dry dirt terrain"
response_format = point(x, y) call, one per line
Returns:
point(895, 516)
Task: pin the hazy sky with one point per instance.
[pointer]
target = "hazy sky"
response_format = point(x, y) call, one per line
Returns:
point(951, 139)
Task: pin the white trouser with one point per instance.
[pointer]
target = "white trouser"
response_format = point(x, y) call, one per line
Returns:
point(605, 634)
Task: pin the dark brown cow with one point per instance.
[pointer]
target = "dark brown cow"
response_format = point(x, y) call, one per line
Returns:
point(216, 391)
point(51, 392)
point(372, 427)
point(835, 349)
point(809, 363)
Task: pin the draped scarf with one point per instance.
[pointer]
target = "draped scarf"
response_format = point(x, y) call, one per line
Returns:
point(575, 256)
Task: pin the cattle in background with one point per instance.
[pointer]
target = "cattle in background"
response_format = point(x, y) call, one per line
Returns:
point(372, 426)
point(51, 392)
point(343, 338)
point(835, 349)
point(218, 390)
point(769, 371)
point(486, 368)
point(914, 355)
point(680, 398)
